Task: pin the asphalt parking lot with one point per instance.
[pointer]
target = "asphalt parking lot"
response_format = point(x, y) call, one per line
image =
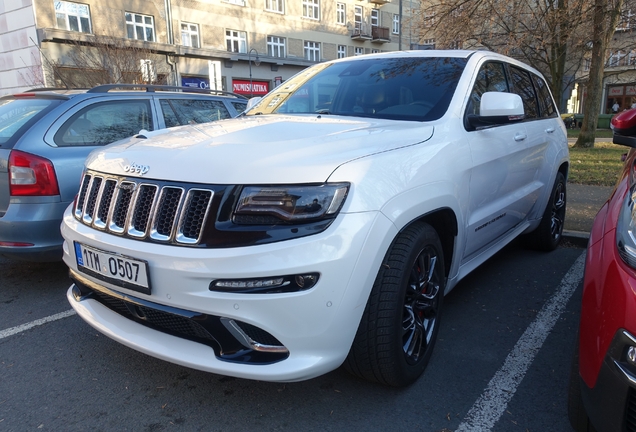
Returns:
point(501, 363)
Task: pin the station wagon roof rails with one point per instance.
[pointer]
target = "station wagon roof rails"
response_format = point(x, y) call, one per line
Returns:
point(42, 89)
point(152, 87)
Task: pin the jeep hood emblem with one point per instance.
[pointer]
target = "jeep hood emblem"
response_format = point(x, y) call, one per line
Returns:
point(135, 168)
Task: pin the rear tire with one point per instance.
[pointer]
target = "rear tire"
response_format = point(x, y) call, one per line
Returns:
point(399, 326)
point(548, 234)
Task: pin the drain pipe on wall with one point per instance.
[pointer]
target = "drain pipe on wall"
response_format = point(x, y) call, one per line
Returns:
point(170, 57)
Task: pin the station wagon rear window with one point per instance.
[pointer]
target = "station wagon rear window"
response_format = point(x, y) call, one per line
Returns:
point(17, 115)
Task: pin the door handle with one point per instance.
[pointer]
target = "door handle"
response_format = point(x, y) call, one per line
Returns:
point(520, 137)
point(549, 130)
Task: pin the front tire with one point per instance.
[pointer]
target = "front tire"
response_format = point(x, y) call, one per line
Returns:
point(399, 326)
point(548, 234)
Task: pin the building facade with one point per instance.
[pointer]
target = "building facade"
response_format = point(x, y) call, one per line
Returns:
point(245, 46)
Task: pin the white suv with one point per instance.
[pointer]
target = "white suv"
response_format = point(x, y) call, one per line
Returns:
point(323, 227)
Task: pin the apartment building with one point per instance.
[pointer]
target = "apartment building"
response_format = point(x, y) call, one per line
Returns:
point(245, 46)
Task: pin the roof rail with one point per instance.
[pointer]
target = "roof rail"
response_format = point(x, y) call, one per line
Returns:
point(39, 89)
point(152, 87)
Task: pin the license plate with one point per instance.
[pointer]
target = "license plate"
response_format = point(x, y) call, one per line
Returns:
point(117, 269)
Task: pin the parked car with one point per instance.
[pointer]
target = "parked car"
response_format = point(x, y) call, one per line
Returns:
point(46, 134)
point(602, 394)
point(325, 225)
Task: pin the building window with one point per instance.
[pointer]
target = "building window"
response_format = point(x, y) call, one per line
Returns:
point(358, 51)
point(236, 41)
point(73, 16)
point(616, 59)
point(190, 35)
point(357, 17)
point(274, 5)
point(375, 17)
point(312, 51)
point(342, 51)
point(396, 24)
point(140, 27)
point(275, 46)
point(586, 64)
point(341, 15)
point(311, 9)
point(429, 19)
point(631, 58)
point(375, 51)
point(429, 43)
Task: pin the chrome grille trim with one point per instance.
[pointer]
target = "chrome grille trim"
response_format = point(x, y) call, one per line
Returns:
point(143, 210)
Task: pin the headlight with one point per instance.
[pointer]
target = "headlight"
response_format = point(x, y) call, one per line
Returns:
point(625, 230)
point(290, 203)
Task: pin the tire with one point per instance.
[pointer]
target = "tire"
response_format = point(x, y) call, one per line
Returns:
point(576, 410)
point(548, 234)
point(399, 326)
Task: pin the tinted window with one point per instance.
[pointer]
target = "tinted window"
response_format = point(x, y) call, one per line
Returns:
point(179, 112)
point(545, 100)
point(417, 89)
point(104, 123)
point(17, 115)
point(491, 78)
point(239, 106)
point(522, 85)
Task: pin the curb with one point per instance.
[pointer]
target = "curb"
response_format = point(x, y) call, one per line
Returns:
point(577, 238)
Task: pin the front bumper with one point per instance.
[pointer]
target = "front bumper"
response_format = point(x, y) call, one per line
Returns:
point(611, 403)
point(315, 327)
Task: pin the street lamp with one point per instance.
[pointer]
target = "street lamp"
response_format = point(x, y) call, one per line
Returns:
point(256, 62)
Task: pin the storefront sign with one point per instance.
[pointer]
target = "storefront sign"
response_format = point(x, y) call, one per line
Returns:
point(187, 81)
point(630, 90)
point(259, 88)
point(616, 91)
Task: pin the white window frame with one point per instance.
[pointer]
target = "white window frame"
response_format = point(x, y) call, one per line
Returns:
point(276, 46)
point(188, 32)
point(358, 13)
point(236, 39)
point(312, 51)
point(131, 22)
point(375, 18)
point(311, 9)
point(358, 51)
point(342, 51)
point(341, 13)
point(615, 59)
point(631, 58)
point(277, 6)
point(375, 51)
point(396, 24)
point(586, 64)
point(68, 10)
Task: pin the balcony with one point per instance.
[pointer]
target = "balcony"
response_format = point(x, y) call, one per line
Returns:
point(361, 32)
point(380, 35)
point(380, 2)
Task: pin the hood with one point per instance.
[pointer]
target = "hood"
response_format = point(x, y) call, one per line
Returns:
point(256, 149)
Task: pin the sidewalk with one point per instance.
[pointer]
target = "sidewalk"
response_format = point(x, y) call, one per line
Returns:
point(583, 202)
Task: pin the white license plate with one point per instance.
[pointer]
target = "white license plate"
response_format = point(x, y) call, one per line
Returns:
point(117, 269)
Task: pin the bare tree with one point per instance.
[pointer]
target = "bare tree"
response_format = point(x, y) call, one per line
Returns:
point(91, 60)
point(606, 17)
point(547, 34)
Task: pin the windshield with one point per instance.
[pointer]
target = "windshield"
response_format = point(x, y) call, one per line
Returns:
point(418, 89)
point(16, 113)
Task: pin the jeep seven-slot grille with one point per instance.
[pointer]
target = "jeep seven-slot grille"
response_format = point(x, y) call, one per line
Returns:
point(143, 209)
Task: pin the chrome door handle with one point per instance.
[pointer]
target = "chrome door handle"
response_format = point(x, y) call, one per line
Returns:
point(549, 130)
point(520, 137)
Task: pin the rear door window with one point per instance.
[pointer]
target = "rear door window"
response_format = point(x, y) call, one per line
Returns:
point(545, 99)
point(17, 115)
point(179, 112)
point(522, 85)
point(239, 106)
point(105, 122)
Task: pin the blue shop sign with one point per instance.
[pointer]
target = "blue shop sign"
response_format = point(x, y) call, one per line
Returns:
point(203, 83)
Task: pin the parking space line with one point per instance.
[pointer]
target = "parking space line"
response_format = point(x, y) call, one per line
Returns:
point(24, 327)
point(493, 402)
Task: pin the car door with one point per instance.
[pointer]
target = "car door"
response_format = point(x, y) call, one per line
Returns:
point(502, 169)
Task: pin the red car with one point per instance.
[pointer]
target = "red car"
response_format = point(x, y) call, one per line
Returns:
point(602, 394)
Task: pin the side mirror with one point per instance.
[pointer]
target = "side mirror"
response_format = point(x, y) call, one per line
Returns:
point(497, 108)
point(624, 127)
point(252, 103)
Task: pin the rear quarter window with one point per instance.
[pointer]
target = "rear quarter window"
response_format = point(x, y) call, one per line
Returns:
point(105, 122)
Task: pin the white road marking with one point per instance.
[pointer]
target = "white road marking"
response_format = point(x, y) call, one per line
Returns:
point(493, 402)
point(24, 327)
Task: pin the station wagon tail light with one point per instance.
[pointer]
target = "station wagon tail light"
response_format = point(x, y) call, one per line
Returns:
point(31, 175)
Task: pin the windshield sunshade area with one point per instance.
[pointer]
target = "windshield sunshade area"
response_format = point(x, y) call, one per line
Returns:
point(18, 114)
point(417, 89)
